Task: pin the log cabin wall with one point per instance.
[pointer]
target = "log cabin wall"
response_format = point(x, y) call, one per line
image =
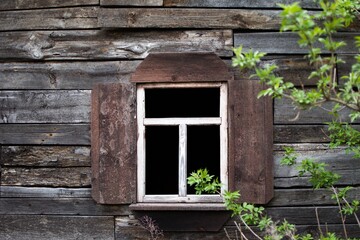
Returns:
point(53, 52)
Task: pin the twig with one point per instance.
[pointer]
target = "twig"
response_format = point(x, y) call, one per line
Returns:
point(318, 221)
point(247, 226)
point(227, 235)
point(241, 233)
point(355, 215)
point(341, 215)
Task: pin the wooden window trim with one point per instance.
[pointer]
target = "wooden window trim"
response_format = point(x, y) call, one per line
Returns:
point(114, 128)
point(142, 121)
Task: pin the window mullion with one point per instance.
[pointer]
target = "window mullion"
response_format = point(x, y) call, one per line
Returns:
point(182, 160)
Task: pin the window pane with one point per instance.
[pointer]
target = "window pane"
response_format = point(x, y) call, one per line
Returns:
point(182, 102)
point(162, 147)
point(203, 150)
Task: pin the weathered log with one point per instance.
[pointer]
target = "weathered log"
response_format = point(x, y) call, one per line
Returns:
point(41, 156)
point(235, 3)
point(286, 42)
point(23, 227)
point(45, 106)
point(45, 134)
point(100, 44)
point(285, 112)
point(307, 197)
point(63, 75)
point(301, 134)
point(50, 177)
point(43, 192)
point(59, 206)
point(61, 18)
point(188, 18)
point(131, 2)
point(33, 4)
point(295, 69)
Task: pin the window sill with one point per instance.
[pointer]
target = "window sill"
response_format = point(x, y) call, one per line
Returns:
point(184, 216)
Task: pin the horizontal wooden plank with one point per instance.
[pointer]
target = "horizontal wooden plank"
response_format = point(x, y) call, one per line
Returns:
point(188, 18)
point(63, 75)
point(338, 161)
point(33, 4)
point(49, 177)
point(129, 228)
point(131, 2)
point(45, 156)
point(307, 197)
point(295, 69)
point(22, 227)
point(43, 192)
point(300, 134)
point(313, 229)
point(111, 44)
point(61, 18)
point(285, 112)
point(235, 3)
point(58, 106)
point(60, 206)
point(286, 43)
point(307, 215)
point(45, 134)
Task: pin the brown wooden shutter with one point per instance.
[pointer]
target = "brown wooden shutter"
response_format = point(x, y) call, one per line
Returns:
point(113, 143)
point(250, 142)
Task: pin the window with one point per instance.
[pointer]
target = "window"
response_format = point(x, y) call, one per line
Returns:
point(181, 128)
point(217, 109)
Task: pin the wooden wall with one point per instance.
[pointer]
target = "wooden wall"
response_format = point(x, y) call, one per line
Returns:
point(51, 54)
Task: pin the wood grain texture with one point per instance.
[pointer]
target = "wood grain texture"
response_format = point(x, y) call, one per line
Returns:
point(294, 69)
point(287, 113)
point(181, 67)
point(59, 206)
point(49, 177)
point(111, 44)
point(63, 75)
point(188, 18)
point(49, 156)
point(43, 192)
point(45, 134)
point(61, 18)
point(235, 3)
point(337, 160)
point(56, 227)
point(131, 2)
point(250, 142)
point(286, 43)
point(33, 4)
point(301, 134)
point(45, 106)
point(307, 197)
point(113, 143)
point(307, 215)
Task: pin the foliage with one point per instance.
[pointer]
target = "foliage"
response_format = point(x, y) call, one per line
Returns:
point(204, 182)
point(316, 33)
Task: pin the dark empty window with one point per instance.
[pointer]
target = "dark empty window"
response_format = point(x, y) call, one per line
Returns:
point(182, 128)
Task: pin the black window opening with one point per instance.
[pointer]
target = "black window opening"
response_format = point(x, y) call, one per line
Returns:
point(182, 102)
point(162, 164)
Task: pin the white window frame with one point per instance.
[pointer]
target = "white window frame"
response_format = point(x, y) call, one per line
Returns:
point(142, 122)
